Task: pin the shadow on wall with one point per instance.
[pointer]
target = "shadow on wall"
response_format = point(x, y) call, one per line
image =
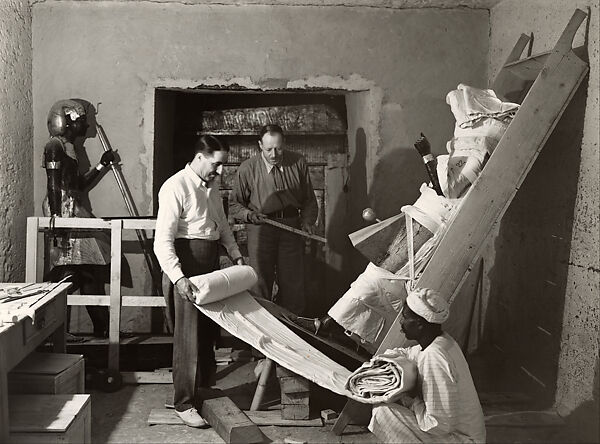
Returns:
point(358, 199)
point(529, 277)
point(396, 181)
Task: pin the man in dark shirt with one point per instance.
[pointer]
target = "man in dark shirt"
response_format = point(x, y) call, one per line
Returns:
point(275, 184)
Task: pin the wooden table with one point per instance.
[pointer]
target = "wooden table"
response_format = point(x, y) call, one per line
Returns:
point(18, 339)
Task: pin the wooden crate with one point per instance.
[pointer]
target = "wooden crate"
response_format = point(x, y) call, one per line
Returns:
point(48, 373)
point(50, 419)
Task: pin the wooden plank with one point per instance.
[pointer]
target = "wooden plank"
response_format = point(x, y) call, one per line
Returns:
point(258, 417)
point(295, 411)
point(164, 416)
point(75, 222)
point(230, 423)
point(530, 67)
point(148, 223)
point(115, 294)
point(31, 250)
point(127, 301)
point(491, 194)
point(505, 83)
point(292, 119)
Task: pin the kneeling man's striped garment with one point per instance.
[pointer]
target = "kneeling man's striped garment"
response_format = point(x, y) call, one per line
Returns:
point(447, 408)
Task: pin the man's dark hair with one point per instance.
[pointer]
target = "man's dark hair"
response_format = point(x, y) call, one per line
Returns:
point(210, 144)
point(271, 129)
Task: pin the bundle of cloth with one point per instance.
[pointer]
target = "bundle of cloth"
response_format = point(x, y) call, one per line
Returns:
point(221, 284)
point(481, 120)
point(383, 379)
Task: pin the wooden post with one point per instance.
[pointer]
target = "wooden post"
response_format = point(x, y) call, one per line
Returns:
point(262, 384)
point(116, 234)
point(31, 249)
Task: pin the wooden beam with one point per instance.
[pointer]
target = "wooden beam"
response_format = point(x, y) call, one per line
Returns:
point(258, 417)
point(126, 301)
point(231, 424)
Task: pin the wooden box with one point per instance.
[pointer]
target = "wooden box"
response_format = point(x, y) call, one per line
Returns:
point(49, 373)
point(50, 419)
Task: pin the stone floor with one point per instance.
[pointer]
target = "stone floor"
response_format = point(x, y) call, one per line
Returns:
point(121, 417)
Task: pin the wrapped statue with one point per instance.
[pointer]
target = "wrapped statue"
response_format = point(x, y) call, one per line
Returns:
point(400, 247)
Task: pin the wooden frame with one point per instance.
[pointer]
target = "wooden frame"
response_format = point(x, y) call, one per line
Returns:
point(115, 300)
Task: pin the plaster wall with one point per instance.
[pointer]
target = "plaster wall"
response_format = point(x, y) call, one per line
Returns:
point(553, 221)
point(16, 132)
point(118, 52)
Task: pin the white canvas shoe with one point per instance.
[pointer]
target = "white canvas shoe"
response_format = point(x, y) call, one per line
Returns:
point(192, 418)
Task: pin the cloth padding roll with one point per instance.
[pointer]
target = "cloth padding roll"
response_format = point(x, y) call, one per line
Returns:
point(383, 378)
point(221, 284)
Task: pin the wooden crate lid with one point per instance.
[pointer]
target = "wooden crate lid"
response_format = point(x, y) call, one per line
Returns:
point(46, 363)
point(44, 413)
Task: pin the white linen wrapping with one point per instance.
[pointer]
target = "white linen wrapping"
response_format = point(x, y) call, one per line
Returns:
point(242, 316)
point(383, 378)
point(221, 284)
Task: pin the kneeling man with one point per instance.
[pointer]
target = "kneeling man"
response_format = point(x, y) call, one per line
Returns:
point(445, 407)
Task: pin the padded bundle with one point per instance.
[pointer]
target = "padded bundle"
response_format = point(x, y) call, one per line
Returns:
point(481, 120)
point(221, 284)
point(383, 378)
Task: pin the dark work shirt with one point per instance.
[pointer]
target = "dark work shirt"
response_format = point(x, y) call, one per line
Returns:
point(257, 189)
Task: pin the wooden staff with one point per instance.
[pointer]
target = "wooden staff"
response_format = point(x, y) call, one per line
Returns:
point(295, 230)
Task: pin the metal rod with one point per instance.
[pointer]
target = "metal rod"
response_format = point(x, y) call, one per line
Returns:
point(141, 235)
point(295, 230)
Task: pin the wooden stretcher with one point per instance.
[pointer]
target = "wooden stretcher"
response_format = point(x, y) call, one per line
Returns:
point(555, 82)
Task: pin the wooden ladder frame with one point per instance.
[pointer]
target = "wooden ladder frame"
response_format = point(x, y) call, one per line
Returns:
point(114, 300)
point(556, 81)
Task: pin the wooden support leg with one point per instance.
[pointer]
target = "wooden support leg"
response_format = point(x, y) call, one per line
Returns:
point(58, 337)
point(353, 411)
point(32, 249)
point(262, 384)
point(116, 234)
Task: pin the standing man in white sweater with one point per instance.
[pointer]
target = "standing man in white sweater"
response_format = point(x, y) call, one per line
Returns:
point(190, 225)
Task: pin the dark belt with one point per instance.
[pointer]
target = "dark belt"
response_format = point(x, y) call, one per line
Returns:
point(286, 213)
